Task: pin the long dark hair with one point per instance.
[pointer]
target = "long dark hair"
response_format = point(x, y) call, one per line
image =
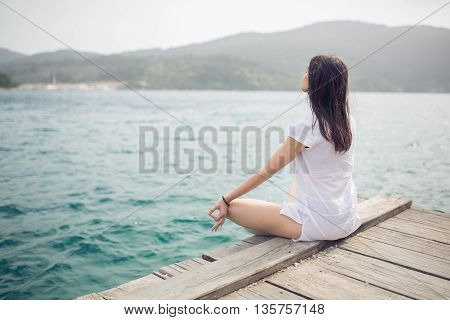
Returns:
point(328, 97)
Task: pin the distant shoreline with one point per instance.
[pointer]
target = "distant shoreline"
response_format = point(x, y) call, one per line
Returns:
point(89, 86)
point(116, 86)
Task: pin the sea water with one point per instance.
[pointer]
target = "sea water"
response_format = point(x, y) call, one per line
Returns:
point(88, 201)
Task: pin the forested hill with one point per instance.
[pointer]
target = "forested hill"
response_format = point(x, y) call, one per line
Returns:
point(416, 61)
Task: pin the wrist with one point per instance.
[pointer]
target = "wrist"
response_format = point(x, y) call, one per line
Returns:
point(225, 200)
point(228, 198)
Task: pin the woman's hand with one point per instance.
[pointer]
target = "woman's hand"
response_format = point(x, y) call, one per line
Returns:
point(220, 218)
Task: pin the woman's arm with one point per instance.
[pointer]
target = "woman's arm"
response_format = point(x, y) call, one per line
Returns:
point(283, 156)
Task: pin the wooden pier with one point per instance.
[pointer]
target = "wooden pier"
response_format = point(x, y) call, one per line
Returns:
point(399, 252)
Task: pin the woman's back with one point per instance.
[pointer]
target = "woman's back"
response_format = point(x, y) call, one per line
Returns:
point(320, 157)
point(325, 194)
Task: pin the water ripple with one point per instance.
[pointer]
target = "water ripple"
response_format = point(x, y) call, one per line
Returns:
point(11, 211)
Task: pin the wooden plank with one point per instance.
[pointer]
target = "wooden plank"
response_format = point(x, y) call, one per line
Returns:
point(201, 261)
point(111, 294)
point(428, 218)
point(163, 276)
point(428, 224)
point(117, 292)
point(416, 229)
point(222, 252)
point(188, 264)
point(316, 282)
point(140, 283)
point(171, 271)
point(435, 227)
point(392, 277)
point(234, 296)
point(285, 295)
point(268, 291)
point(407, 241)
point(177, 267)
point(232, 272)
point(411, 259)
point(381, 208)
point(257, 239)
point(262, 291)
point(92, 296)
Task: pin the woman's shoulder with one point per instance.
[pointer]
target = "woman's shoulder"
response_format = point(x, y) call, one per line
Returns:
point(306, 120)
point(306, 130)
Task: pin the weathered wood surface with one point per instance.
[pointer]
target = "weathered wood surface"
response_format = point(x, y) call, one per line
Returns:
point(407, 241)
point(262, 291)
point(316, 282)
point(387, 275)
point(232, 272)
point(405, 257)
point(385, 263)
point(425, 224)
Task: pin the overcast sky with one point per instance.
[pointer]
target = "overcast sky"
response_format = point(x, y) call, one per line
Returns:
point(117, 25)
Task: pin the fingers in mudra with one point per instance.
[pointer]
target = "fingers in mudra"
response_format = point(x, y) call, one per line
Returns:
point(211, 211)
point(220, 218)
point(219, 223)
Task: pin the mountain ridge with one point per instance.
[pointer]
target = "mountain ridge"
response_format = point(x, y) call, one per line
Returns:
point(417, 61)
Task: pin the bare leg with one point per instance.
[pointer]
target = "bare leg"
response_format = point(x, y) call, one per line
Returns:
point(291, 198)
point(264, 217)
point(258, 233)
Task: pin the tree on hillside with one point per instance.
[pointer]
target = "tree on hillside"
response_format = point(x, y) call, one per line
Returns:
point(5, 81)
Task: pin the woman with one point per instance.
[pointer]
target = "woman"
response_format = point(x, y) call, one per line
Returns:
point(322, 201)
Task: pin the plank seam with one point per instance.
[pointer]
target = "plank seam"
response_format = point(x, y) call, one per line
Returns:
point(413, 235)
point(397, 246)
point(398, 264)
point(287, 289)
point(368, 282)
point(159, 276)
point(197, 261)
point(254, 292)
point(177, 263)
point(428, 226)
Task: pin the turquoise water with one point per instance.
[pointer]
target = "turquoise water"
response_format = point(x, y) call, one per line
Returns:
point(77, 216)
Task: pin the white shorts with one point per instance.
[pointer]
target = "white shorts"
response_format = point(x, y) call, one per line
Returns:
point(318, 227)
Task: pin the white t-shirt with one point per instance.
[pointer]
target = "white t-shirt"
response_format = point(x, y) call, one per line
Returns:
point(326, 198)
